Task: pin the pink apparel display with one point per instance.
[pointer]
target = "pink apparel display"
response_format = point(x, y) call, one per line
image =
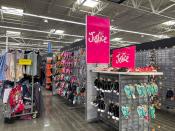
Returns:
point(124, 57)
point(97, 40)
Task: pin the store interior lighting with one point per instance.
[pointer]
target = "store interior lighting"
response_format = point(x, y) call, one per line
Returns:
point(61, 32)
point(46, 20)
point(88, 3)
point(163, 36)
point(169, 23)
point(13, 33)
point(12, 11)
point(117, 39)
point(77, 40)
point(58, 32)
point(45, 43)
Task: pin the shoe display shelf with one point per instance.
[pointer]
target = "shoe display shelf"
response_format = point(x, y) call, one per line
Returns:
point(113, 106)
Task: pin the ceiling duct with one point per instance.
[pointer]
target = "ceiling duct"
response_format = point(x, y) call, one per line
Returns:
point(117, 1)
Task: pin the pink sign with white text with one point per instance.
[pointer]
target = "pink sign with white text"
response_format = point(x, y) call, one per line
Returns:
point(124, 57)
point(97, 40)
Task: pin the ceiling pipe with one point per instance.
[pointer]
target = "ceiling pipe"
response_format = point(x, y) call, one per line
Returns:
point(36, 39)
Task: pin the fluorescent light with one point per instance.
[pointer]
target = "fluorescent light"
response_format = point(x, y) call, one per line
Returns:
point(13, 11)
point(76, 40)
point(117, 39)
point(12, 33)
point(45, 43)
point(88, 3)
point(163, 36)
point(14, 44)
point(52, 31)
point(169, 23)
point(59, 31)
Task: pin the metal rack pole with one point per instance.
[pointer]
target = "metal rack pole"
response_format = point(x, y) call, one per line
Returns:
point(15, 62)
point(32, 81)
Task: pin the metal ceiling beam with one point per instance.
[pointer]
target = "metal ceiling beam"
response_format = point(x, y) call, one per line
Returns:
point(152, 6)
point(100, 7)
point(168, 7)
point(142, 8)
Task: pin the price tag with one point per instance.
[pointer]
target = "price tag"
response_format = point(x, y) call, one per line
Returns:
point(25, 62)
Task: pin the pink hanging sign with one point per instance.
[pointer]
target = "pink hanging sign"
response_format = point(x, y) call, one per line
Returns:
point(97, 40)
point(124, 57)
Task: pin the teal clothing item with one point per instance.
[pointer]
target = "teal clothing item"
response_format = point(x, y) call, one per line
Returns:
point(155, 89)
point(132, 90)
point(139, 90)
point(64, 93)
point(149, 89)
point(141, 111)
point(128, 91)
point(152, 111)
point(144, 90)
point(125, 111)
point(78, 89)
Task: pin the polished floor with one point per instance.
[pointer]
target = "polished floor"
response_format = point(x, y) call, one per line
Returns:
point(60, 116)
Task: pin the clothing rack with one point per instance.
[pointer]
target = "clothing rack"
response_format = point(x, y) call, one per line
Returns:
point(7, 111)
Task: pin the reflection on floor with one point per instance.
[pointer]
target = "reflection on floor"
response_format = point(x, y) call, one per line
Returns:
point(59, 116)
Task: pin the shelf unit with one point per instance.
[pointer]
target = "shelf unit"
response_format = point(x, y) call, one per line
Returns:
point(129, 73)
point(134, 122)
point(49, 74)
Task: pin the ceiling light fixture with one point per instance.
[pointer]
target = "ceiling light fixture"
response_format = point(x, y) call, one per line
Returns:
point(12, 33)
point(12, 11)
point(76, 40)
point(117, 39)
point(61, 32)
point(163, 36)
point(58, 32)
point(88, 3)
point(169, 23)
point(45, 43)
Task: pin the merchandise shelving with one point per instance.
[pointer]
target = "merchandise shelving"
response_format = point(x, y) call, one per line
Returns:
point(49, 66)
point(72, 79)
point(133, 122)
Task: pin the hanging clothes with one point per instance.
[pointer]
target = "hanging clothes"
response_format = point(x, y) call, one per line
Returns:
point(2, 66)
point(19, 68)
point(10, 69)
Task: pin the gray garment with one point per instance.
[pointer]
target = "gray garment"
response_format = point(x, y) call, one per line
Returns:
point(28, 68)
point(32, 70)
point(34, 61)
point(39, 65)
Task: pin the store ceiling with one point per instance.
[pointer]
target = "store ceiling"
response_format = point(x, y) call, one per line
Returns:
point(144, 16)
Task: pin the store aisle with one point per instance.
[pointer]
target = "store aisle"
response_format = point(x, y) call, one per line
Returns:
point(165, 121)
point(58, 116)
